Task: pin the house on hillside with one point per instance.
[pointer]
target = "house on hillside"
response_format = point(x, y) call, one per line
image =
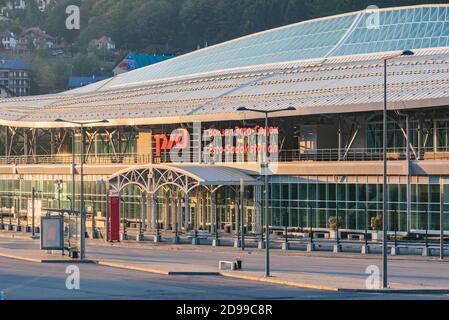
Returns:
point(104, 42)
point(135, 61)
point(15, 75)
point(8, 40)
point(31, 38)
point(11, 5)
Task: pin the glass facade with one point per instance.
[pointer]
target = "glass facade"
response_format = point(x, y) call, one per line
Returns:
point(306, 203)
point(435, 136)
point(16, 192)
point(300, 202)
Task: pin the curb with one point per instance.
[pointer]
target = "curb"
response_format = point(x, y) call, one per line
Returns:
point(156, 271)
point(46, 261)
point(74, 261)
point(281, 282)
point(121, 266)
point(8, 256)
point(397, 291)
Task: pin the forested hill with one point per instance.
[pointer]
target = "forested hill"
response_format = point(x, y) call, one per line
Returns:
point(187, 24)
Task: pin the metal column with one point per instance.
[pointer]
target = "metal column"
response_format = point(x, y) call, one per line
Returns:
point(166, 210)
point(441, 218)
point(213, 212)
point(187, 211)
point(150, 219)
point(203, 210)
point(179, 212)
point(409, 173)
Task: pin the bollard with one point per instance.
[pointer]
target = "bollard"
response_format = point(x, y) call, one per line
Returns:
point(310, 247)
point(337, 248)
point(195, 241)
point(394, 251)
point(261, 245)
point(365, 249)
point(175, 240)
point(426, 252)
point(215, 242)
point(157, 238)
point(237, 243)
point(285, 246)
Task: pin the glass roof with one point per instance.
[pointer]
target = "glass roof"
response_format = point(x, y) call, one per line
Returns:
point(399, 29)
point(413, 28)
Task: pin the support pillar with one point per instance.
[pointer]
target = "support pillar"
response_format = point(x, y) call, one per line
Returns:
point(213, 212)
point(173, 212)
point(258, 209)
point(203, 210)
point(195, 240)
point(409, 173)
point(340, 139)
point(155, 209)
point(420, 139)
point(179, 213)
point(166, 210)
point(187, 211)
point(150, 220)
point(237, 214)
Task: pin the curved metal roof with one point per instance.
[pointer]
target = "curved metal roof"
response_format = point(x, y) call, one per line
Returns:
point(205, 175)
point(321, 66)
point(348, 34)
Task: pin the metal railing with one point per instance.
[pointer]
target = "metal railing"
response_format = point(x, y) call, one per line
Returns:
point(355, 154)
point(68, 159)
point(317, 155)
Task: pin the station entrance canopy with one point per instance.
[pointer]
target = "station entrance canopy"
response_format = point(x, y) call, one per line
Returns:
point(151, 178)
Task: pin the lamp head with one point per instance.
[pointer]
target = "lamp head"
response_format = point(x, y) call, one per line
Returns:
point(242, 109)
point(408, 53)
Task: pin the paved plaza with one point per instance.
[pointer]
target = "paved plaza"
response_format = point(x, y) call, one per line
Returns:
point(319, 271)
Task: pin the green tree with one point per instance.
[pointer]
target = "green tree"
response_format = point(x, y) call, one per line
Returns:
point(85, 65)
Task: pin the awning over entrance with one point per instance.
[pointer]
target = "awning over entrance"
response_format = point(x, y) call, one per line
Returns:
point(150, 178)
point(212, 175)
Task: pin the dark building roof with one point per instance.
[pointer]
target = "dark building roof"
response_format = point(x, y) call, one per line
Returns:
point(13, 64)
point(77, 82)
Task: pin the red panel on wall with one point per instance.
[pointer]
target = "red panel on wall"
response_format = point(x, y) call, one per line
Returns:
point(114, 216)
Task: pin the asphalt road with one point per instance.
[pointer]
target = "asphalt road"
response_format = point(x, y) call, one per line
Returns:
point(409, 270)
point(21, 280)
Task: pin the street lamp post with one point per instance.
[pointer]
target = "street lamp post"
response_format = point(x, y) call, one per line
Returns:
point(82, 210)
point(264, 166)
point(385, 172)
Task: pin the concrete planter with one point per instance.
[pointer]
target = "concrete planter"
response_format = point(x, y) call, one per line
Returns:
point(377, 235)
point(333, 234)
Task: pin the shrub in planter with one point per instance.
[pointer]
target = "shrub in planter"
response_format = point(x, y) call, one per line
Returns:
point(333, 226)
point(376, 226)
point(377, 223)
